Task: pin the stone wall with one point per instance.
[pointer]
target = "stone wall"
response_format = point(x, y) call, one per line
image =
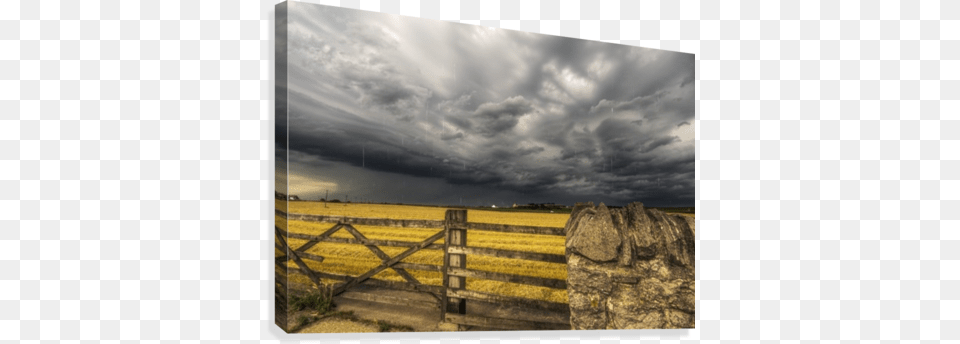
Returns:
point(629, 268)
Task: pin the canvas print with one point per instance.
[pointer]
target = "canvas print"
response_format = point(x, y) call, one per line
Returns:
point(437, 176)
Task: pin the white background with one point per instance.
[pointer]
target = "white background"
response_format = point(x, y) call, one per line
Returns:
point(136, 165)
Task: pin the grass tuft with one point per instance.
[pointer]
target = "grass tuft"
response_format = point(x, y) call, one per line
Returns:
point(321, 301)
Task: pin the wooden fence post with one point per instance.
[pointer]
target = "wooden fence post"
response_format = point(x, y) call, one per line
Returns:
point(456, 235)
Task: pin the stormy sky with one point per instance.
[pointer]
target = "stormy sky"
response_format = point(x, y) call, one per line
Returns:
point(386, 108)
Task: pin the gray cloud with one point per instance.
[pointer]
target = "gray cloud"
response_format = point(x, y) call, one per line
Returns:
point(492, 119)
point(453, 107)
point(448, 137)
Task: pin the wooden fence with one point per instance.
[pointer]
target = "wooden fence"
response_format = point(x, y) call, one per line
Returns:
point(452, 296)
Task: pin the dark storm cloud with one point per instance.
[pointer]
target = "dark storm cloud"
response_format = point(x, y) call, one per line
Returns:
point(395, 97)
point(516, 114)
point(492, 119)
point(528, 151)
point(448, 137)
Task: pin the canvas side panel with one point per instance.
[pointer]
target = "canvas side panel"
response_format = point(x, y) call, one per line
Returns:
point(280, 154)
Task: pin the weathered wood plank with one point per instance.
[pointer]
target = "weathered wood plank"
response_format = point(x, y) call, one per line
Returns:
point(403, 286)
point(495, 227)
point(388, 243)
point(496, 276)
point(455, 234)
point(423, 267)
point(510, 300)
point(503, 324)
point(281, 275)
point(316, 239)
point(374, 282)
point(491, 252)
point(367, 221)
point(310, 256)
point(321, 274)
point(380, 254)
point(445, 278)
point(386, 264)
point(393, 300)
point(420, 223)
point(296, 259)
point(338, 277)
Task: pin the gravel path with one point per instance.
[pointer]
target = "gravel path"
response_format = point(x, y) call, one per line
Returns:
point(332, 325)
point(421, 318)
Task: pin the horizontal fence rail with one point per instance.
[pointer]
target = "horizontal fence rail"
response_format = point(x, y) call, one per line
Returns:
point(388, 243)
point(298, 255)
point(410, 223)
point(367, 221)
point(506, 324)
point(493, 252)
point(393, 300)
point(375, 282)
point(520, 279)
point(496, 227)
point(452, 295)
point(510, 300)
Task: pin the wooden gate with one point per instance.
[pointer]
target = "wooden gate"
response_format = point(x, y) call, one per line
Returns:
point(452, 296)
point(299, 254)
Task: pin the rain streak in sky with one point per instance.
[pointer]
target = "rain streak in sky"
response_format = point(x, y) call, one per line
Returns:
point(385, 108)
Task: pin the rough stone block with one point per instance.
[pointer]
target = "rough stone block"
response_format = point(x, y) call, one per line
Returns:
point(595, 236)
point(629, 268)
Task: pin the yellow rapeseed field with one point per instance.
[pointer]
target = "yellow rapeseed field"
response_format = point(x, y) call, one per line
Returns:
point(350, 259)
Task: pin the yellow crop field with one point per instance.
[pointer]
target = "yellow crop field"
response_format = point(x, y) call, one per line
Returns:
point(350, 259)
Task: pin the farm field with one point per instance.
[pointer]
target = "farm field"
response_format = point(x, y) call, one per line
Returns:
point(350, 259)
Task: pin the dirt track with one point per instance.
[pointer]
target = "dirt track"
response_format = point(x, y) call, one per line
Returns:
point(423, 316)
